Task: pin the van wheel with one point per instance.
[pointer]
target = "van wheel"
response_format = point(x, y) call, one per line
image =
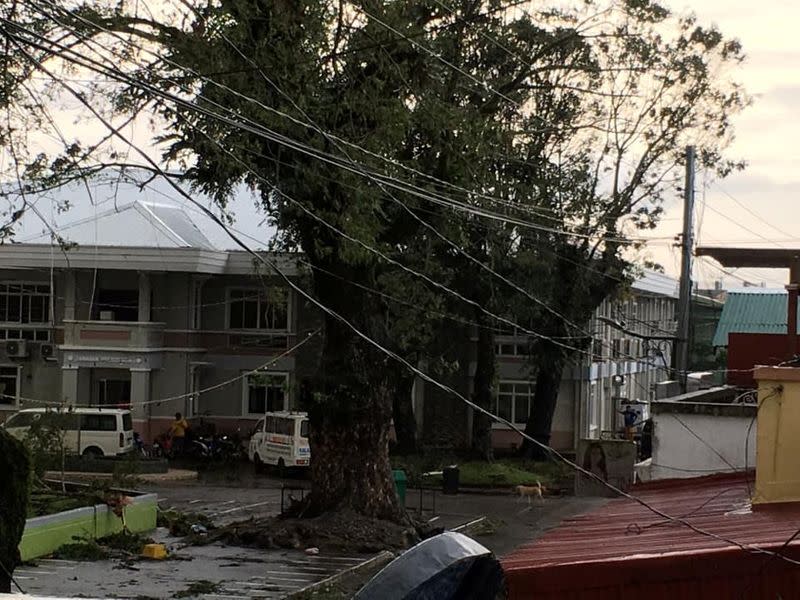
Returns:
point(258, 466)
point(281, 468)
point(92, 453)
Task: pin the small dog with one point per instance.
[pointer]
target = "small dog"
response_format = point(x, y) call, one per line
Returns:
point(531, 491)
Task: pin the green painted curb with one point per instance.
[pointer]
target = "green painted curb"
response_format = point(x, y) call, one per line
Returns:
point(44, 535)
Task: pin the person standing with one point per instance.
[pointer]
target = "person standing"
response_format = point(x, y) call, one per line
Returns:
point(629, 417)
point(178, 431)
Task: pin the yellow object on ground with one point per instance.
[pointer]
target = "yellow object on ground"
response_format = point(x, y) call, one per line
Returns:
point(155, 551)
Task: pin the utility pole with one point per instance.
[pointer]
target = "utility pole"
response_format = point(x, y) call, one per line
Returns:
point(685, 296)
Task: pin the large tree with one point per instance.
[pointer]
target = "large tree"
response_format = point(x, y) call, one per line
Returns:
point(658, 83)
point(464, 145)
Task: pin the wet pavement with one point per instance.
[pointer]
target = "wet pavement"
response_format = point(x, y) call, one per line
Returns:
point(236, 494)
point(236, 573)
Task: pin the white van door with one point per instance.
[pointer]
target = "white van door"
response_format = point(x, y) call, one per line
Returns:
point(98, 434)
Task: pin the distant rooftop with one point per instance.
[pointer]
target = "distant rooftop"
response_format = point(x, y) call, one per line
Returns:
point(653, 282)
point(135, 224)
point(624, 546)
point(129, 215)
point(752, 310)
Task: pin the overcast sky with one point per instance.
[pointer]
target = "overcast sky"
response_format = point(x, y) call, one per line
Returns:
point(767, 135)
point(756, 207)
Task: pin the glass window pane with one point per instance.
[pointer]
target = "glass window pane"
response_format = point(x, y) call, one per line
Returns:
point(236, 315)
point(249, 314)
point(14, 307)
point(38, 309)
point(257, 399)
point(504, 406)
point(521, 409)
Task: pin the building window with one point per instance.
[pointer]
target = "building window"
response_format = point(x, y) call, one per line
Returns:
point(116, 305)
point(598, 350)
point(266, 392)
point(113, 392)
point(511, 349)
point(259, 309)
point(23, 306)
point(514, 401)
point(8, 385)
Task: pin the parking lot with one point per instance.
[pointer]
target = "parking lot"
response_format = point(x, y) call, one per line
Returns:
point(226, 572)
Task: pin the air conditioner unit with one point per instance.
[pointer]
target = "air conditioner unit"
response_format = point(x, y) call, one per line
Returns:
point(47, 350)
point(106, 315)
point(17, 348)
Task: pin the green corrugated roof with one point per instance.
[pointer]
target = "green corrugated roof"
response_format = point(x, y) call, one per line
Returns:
point(757, 311)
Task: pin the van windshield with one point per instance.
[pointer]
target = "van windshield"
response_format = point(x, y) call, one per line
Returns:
point(22, 419)
point(304, 428)
point(127, 422)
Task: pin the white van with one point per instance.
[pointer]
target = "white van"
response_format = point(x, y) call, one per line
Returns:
point(280, 439)
point(90, 432)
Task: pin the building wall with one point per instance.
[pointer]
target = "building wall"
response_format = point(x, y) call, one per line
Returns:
point(587, 403)
point(692, 439)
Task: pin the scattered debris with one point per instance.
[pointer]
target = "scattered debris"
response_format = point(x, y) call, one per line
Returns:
point(312, 551)
point(199, 529)
point(154, 551)
point(197, 588)
point(117, 545)
point(88, 550)
point(342, 531)
point(181, 524)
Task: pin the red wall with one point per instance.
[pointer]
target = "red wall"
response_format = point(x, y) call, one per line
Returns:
point(746, 350)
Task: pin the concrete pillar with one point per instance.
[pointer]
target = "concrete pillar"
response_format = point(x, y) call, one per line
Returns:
point(145, 293)
point(140, 396)
point(69, 385)
point(777, 442)
point(69, 295)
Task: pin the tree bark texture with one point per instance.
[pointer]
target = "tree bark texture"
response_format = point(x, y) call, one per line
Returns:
point(545, 397)
point(405, 423)
point(350, 414)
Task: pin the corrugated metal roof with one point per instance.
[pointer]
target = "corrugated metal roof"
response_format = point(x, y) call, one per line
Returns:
point(135, 224)
point(653, 282)
point(752, 310)
point(624, 547)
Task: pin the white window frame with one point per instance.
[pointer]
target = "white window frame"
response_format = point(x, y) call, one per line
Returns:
point(38, 327)
point(246, 391)
point(496, 400)
point(256, 291)
point(15, 402)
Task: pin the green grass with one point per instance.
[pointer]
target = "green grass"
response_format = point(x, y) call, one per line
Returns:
point(501, 473)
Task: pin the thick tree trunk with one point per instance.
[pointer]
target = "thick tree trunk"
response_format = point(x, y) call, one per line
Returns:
point(350, 414)
point(540, 421)
point(350, 461)
point(405, 423)
point(482, 393)
point(14, 487)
